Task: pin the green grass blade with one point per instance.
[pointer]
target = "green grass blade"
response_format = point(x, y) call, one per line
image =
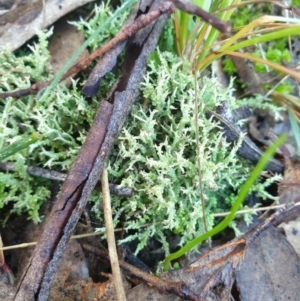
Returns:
point(283, 33)
point(213, 33)
point(184, 29)
point(19, 145)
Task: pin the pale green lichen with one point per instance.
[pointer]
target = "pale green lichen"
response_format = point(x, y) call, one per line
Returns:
point(19, 191)
point(156, 155)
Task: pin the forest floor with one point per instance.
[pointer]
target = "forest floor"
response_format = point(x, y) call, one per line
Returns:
point(262, 264)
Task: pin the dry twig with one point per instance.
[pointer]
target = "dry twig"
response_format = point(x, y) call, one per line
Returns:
point(113, 254)
point(59, 176)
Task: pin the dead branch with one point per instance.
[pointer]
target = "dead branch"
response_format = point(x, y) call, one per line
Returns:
point(64, 206)
point(113, 254)
point(59, 176)
point(142, 21)
point(277, 218)
point(191, 8)
point(210, 277)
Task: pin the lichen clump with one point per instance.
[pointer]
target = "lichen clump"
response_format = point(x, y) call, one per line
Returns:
point(62, 120)
point(156, 155)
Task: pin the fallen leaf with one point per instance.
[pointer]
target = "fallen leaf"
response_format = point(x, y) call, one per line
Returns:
point(270, 270)
point(66, 39)
point(72, 281)
point(209, 278)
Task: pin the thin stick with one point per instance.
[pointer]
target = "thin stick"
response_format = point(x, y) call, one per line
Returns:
point(61, 177)
point(251, 210)
point(178, 288)
point(116, 272)
point(166, 7)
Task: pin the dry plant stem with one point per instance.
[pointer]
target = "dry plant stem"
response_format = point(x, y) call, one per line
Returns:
point(113, 254)
point(228, 256)
point(250, 210)
point(281, 68)
point(170, 287)
point(166, 287)
point(221, 214)
point(142, 21)
point(198, 149)
point(277, 3)
point(34, 243)
point(275, 219)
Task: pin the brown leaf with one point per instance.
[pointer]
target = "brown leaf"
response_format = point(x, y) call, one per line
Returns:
point(6, 5)
point(247, 75)
point(100, 291)
point(270, 270)
point(22, 13)
point(292, 232)
point(211, 277)
point(215, 268)
point(7, 290)
point(72, 283)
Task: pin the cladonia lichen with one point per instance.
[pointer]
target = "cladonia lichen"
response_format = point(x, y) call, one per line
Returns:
point(156, 155)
